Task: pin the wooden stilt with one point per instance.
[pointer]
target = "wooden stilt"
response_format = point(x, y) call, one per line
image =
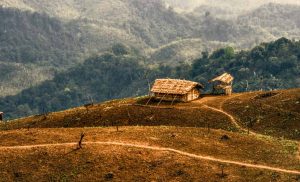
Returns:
point(162, 99)
point(149, 100)
point(173, 100)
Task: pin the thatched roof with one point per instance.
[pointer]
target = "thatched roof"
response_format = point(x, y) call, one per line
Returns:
point(225, 78)
point(174, 86)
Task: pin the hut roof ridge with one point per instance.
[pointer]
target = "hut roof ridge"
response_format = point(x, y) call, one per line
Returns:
point(225, 77)
point(174, 86)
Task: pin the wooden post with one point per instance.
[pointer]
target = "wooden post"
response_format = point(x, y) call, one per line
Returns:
point(80, 141)
point(149, 100)
point(173, 100)
point(162, 99)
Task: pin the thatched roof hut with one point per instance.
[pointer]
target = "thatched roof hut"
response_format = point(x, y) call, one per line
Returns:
point(174, 89)
point(225, 78)
point(223, 84)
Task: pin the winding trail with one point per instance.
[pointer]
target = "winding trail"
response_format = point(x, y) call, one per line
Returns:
point(200, 157)
point(225, 113)
point(234, 121)
point(221, 110)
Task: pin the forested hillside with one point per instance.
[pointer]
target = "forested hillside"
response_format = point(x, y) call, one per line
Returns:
point(39, 36)
point(31, 44)
point(124, 73)
point(285, 18)
point(274, 65)
point(120, 73)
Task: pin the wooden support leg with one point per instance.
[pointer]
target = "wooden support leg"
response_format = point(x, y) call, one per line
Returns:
point(161, 99)
point(149, 100)
point(173, 100)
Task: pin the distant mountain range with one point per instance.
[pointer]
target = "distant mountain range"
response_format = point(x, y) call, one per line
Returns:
point(40, 38)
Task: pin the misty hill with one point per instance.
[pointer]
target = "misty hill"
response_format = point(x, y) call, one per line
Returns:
point(59, 34)
point(151, 23)
point(31, 37)
point(147, 21)
point(185, 50)
point(99, 78)
point(235, 7)
point(37, 43)
point(31, 44)
point(284, 19)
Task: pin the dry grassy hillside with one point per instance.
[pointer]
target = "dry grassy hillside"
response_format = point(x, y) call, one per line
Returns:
point(199, 139)
point(273, 113)
point(52, 155)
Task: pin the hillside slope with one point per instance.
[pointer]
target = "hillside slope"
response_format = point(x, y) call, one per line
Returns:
point(284, 19)
point(232, 113)
point(157, 153)
point(198, 140)
point(33, 46)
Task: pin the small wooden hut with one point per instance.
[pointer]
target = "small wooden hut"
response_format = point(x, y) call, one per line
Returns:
point(222, 84)
point(176, 90)
point(1, 116)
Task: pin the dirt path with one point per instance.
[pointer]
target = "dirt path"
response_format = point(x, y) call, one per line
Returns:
point(201, 157)
point(227, 114)
point(234, 121)
point(220, 109)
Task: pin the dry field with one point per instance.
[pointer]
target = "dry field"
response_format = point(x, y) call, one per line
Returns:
point(126, 141)
point(146, 153)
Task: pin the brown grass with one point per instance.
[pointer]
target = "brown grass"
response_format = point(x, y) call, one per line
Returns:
point(270, 113)
point(275, 115)
point(131, 164)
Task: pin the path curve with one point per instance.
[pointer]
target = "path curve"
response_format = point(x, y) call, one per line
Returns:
point(234, 121)
point(225, 113)
point(201, 157)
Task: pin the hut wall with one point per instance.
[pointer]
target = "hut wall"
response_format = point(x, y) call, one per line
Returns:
point(193, 94)
point(228, 91)
point(170, 97)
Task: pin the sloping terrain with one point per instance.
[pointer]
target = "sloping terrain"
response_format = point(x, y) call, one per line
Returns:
point(284, 19)
point(32, 47)
point(156, 153)
point(197, 141)
point(272, 113)
point(268, 115)
point(185, 50)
